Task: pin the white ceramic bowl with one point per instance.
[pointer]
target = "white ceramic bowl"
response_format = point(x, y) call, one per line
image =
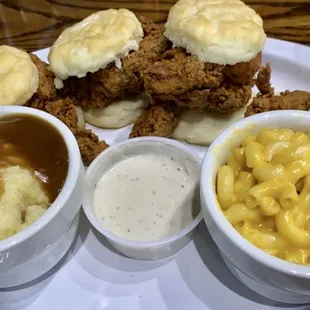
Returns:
point(141, 250)
point(35, 250)
point(269, 276)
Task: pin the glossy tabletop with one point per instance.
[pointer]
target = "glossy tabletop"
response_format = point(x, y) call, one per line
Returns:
point(35, 24)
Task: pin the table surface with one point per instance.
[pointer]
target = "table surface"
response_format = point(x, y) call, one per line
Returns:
point(35, 24)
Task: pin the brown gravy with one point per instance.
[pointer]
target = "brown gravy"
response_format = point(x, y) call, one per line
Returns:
point(32, 143)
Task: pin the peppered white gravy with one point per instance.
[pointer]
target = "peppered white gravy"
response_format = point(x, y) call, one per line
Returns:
point(147, 197)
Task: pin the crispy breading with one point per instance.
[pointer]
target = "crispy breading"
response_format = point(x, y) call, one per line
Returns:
point(295, 100)
point(46, 90)
point(90, 145)
point(263, 80)
point(101, 88)
point(223, 99)
point(182, 79)
point(178, 72)
point(157, 120)
point(76, 89)
point(111, 83)
point(151, 49)
point(64, 110)
point(243, 72)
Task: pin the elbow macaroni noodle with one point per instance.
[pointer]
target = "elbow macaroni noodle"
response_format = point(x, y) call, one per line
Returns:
point(264, 192)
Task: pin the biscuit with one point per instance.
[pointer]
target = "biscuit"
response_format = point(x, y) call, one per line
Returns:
point(93, 43)
point(202, 128)
point(217, 31)
point(119, 114)
point(19, 77)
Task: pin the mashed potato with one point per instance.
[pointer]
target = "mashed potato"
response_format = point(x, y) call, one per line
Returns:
point(22, 200)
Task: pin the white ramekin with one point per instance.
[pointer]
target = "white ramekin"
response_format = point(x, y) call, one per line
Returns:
point(271, 277)
point(141, 250)
point(35, 250)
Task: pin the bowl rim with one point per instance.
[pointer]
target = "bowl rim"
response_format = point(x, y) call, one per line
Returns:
point(210, 202)
point(74, 165)
point(88, 208)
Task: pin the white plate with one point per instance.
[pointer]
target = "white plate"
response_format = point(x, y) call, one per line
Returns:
point(94, 277)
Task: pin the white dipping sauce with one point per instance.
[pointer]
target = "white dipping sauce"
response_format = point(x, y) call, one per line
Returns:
point(147, 197)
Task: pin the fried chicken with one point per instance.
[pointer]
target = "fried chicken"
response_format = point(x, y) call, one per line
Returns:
point(157, 120)
point(64, 110)
point(263, 80)
point(228, 98)
point(46, 89)
point(182, 79)
point(295, 100)
point(89, 145)
point(243, 72)
point(266, 101)
point(101, 88)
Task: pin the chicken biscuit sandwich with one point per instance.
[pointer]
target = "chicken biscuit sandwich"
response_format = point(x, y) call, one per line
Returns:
point(98, 64)
point(203, 83)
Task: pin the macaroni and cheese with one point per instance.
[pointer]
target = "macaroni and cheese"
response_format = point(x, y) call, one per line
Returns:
point(264, 192)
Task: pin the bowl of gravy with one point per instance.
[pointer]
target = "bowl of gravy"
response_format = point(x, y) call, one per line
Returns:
point(41, 181)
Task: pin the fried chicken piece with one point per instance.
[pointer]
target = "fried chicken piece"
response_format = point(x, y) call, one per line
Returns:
point(157, 120)
point(182, 79)
point(178, 72)
point(101, 88)
point(263, 80)
point(223, 99)
point(243, 72)
point(228, 98)
point(295, 100)
point(46, 89)
point(76, 89)
point(64, 110)
point(111, 83)
point(151, 48)
point(89, 144)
